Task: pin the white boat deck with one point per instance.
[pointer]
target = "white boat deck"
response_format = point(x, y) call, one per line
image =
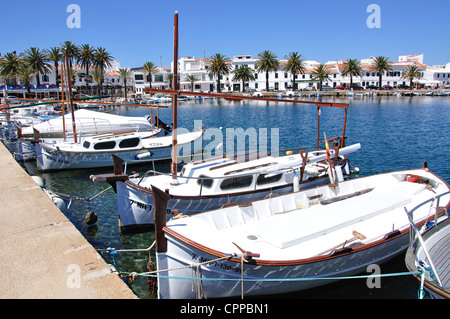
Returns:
point(278, 230)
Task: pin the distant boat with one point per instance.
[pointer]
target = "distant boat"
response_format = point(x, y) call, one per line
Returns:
point(292, 242)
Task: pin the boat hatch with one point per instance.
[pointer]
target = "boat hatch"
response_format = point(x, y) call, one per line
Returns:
point(86, 144)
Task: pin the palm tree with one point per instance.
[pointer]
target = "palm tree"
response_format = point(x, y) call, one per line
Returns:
point(98, 76)
point(352, 68)
point(243, 73)
point(267, 62)
point(86, 57)
point(55, 55)
point(9, 65)
point(38, 61)
point(25, 73)
point(102, 58)
point(170, 78)
point(218, 67)
point(125, 74)
point(321, 73)
point(382, 64)
point(294, 65)
point(150, 68)
point(412, 72)
point(72, 51)
point(192, 79)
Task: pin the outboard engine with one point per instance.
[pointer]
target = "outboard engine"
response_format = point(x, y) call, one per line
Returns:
point(156, 121)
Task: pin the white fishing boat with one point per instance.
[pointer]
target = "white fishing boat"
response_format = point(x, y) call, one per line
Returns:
point(209, 184)
point(88, 122)
point(96, 151)
point(291, 242)
point(428, 255)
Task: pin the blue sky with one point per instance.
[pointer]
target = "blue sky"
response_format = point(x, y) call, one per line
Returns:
point(136, 31)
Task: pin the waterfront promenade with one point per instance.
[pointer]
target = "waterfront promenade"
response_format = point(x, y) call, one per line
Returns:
point(42, 254)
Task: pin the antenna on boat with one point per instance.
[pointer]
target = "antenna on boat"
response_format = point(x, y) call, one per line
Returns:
point(175, 101)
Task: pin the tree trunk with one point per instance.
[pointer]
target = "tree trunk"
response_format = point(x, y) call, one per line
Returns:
point(380, 79)
point(267, 81)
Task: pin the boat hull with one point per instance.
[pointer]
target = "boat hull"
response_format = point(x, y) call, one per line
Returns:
point(49, 159)
point(222, 277)
point(135, 204)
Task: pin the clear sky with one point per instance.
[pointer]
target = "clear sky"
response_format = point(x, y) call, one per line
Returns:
point(136, 31)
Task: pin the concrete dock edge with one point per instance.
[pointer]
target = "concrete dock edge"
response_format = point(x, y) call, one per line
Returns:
point(42, 254)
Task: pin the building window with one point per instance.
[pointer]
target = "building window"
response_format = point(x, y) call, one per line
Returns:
point(276, 75)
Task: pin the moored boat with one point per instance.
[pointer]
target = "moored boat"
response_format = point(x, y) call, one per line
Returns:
point(428, 255)
point(291, 242)
point(96, 151)
point(209, 184)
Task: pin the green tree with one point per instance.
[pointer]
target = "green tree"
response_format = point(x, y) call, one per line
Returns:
point(192, 79)
point(102, 58)
point(125, 74)
point(321, 74)
point(170, 79)
point(352, 68)
point(267, 62)
point(98, 76)
point(243, 73)
point(25, 73)
point(294, 65)
point(150, 68)
point(55, 55)
point(86, 57)
point(219, 66)
point(9, 65)
point(37, 60)
point(382, 65)
point(72, 51)
point(412, 72)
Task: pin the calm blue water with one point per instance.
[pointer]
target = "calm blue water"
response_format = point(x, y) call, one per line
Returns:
point(395, 133)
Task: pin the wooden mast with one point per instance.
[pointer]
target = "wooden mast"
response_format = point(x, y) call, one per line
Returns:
point(69, 82)
point(63, 105)
point(175, 101)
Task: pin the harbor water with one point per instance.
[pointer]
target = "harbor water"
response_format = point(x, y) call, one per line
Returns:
point(396, 133)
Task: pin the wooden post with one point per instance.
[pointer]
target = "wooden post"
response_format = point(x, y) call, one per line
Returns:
point(175, 101)
point(160, 200)
point(71, 99)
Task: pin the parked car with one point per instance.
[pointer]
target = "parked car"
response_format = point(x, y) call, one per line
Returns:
point(387, 87)
point(403, 86)
point(372, 87)
point(357, 87)
point(308, 88)
point(340, 87)
point(326, 87)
